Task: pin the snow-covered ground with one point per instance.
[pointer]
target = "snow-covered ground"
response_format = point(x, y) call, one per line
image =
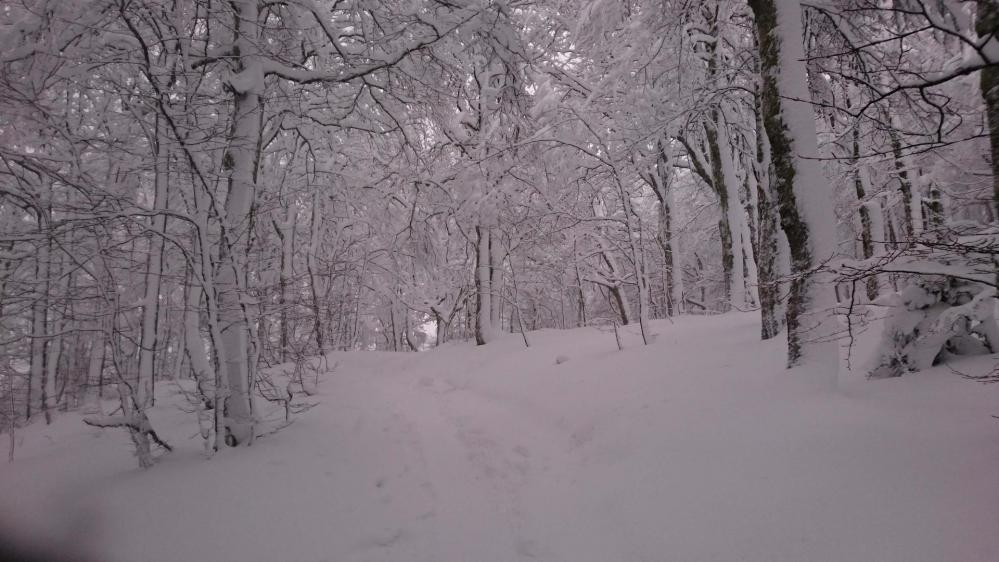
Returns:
point(699, 447)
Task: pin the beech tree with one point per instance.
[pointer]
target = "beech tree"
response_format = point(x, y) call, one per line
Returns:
point(803, 195)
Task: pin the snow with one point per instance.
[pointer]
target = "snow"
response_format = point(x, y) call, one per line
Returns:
point(698, 447)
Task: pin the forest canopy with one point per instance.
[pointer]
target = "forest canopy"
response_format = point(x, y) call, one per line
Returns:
point(199, 190)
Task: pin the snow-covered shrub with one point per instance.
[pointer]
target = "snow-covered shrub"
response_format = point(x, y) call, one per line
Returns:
point(934, 316)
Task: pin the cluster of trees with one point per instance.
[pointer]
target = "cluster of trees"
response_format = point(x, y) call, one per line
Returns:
point(198, 189)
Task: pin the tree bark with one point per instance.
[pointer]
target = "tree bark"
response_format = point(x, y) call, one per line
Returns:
point(154, 271)
point(866, 239)
point(241, 159)
point(987, 23)
point(803, 195)
point(484, 329)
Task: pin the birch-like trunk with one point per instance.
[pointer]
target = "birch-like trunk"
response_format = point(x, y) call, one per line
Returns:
point(733, 222)
point(241, 158)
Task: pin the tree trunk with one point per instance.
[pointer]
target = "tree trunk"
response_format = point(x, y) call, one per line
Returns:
point(768, 230)
point(39, 317)
point(484, 329)
point(904, 185)
point(866, 239)
point(660, 180)
point(803, 195)
point(732, 276)
point(310, 264)
point(241, 159)
point(986, 23)
point(581, 296)
point(154, 271)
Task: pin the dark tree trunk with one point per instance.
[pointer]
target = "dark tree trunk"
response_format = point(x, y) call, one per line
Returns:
point(866, 240)
point(987, 24)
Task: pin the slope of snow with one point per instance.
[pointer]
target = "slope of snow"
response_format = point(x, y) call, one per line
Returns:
point(699, 447)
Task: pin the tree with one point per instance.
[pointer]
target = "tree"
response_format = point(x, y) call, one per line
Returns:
point(802, 193)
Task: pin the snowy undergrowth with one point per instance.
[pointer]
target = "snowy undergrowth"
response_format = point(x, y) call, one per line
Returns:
point(698, 447)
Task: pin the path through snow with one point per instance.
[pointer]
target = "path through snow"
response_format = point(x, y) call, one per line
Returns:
point(697, 448)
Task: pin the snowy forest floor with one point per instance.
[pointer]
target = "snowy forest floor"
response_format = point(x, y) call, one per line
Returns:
point(698, 447)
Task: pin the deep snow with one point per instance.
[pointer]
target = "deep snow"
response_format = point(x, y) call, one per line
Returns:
point(699, 447)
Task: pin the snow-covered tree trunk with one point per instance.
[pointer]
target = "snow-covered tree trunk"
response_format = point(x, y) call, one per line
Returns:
point(581, 294)
point(732, 276)
point(484, 329)
point(749, 259)
point(154, 271)
point(660, 179)
point(768, 232)
point(986, 24)
point(864, 211)
point(312, 268)
point(497, 256)
point(666, 243)
point(909, 223)
point(241, 160)
point(194, 343)
point(676, 261)
point(39, 332)
point(637, 261)
point(732, 225)
point(285, 230)
point(95, 368)
point(53, 352)
point(803, 195)
point(614, 285)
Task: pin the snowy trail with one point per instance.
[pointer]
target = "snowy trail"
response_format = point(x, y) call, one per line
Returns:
point(505, 469)
point(498, 454)
point(476, 476)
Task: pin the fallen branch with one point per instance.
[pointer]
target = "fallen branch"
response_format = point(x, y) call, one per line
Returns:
point(121, 421)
